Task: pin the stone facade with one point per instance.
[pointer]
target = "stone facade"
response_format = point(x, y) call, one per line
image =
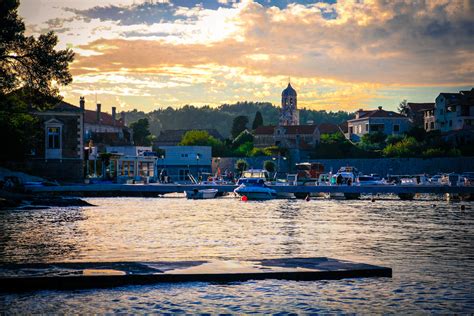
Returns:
point(58, 153)
point(289, 114)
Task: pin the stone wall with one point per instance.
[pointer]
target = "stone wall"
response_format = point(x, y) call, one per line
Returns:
point(382, 166)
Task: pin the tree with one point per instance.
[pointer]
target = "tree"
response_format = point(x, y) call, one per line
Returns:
point(269, 165)
point(30, 72)
point(239, 124)
point(141, 132)
point(403, 108)
point(202, 138)
point(27, 62)
point(257, 121)
point(241, 165)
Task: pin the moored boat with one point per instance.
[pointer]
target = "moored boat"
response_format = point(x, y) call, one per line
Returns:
point(255, 189)
point(201, 194)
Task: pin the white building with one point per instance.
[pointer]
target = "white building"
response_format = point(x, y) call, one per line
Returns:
point(367, 121)
point(452, 112)
point(179, 161)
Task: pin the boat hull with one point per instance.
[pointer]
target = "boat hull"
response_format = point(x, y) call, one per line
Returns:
point(201, 194)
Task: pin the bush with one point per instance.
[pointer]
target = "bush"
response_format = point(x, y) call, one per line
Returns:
point(269, 165)
point(241, 165)
point(244, 150)
point(408, 147)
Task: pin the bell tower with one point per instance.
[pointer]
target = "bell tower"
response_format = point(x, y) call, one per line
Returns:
point(289, 112)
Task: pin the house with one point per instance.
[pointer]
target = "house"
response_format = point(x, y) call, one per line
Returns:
point(104, 128)
point(180, 161)
point(453, 116)
point(379, 120)
point(173, 137)
point(415, 112)
point(292, 136)
point(452, 112)
point(58, 153)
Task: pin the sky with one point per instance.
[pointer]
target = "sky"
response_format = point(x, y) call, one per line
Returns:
point(338, 55)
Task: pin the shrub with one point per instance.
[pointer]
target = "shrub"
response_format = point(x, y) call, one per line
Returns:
point(269, 165)
point(241, 165)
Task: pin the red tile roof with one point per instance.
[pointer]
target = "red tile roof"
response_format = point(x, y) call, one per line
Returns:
point(265, 130)
point(324, 128)
point(377, 113)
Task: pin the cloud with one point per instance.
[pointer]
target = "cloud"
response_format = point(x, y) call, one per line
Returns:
point(346, 52)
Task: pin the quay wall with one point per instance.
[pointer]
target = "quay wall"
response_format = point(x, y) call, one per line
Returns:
point(381, 166)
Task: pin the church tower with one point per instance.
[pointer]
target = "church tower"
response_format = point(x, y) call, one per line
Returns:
point(289, 112)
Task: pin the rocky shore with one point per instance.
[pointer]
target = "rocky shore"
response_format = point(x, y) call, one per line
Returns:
point(18, 200)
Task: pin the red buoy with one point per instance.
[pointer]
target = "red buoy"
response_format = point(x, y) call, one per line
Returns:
point(244, 198)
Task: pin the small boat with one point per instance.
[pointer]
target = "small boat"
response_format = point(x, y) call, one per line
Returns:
point(201, 194)
point(255, 189)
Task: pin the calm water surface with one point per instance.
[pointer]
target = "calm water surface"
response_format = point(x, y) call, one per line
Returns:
point(429, 245)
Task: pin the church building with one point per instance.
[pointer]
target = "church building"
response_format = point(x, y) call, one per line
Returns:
point(289, 133)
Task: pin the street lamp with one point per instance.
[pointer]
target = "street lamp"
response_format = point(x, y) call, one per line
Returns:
point(197, 164)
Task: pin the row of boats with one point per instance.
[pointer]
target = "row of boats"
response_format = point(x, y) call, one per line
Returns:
point(255, 184)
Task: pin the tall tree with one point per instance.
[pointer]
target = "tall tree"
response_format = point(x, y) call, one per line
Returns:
point(27, 62)
point(239, 124)
point(257, 121)
point(403, 108)
point(141, 132)
point(30, 72)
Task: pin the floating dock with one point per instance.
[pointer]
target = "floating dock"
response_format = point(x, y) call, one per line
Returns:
point(68, 276)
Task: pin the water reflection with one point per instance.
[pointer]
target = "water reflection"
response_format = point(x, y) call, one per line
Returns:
point(429, 248)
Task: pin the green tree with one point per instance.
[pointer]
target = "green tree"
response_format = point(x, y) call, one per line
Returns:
point(239, 124)
point(403, 108)
point(243, 137)
point(27, 62)
point(408, 147)
point(257, 121)
point(30, 72)
point(202, 138)
point(244, 150)
point(269, 165)
point(241, 165)
point(141, 132)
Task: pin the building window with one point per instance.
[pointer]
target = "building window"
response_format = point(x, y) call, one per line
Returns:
point(426, 126)
point(432, 125)
point(396, 128)
point(54, 134)
point(366, 127)
point(351, 130)
point(184, 155)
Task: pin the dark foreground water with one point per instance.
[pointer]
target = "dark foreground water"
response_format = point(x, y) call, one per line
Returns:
point(429, 245)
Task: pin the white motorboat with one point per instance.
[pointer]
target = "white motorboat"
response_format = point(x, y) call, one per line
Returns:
point(255, 189)
point(201, 194)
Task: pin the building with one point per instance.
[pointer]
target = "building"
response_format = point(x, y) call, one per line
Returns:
point(415, 112)
point(104, 128)
point(452, 112)
point(368, 121)
point(58, 153)
point(173, 137)
point(180, 161)
point(303, 137)
point(289, 114)
point(453, 116)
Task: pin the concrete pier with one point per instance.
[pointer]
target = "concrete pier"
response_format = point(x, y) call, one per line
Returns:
point(66, 276)
point(159, 189)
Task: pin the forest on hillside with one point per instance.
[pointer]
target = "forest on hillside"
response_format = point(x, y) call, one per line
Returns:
point(220, 118)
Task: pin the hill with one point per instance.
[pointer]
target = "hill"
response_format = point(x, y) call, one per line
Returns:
point(220, 118)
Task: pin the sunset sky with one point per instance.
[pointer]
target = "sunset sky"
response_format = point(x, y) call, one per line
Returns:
point(342, 55)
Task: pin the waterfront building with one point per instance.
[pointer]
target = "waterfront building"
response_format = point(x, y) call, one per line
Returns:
point(180, 161)
point(173, 137)
point(58, 152)
point(379, 120)
point(104, 128)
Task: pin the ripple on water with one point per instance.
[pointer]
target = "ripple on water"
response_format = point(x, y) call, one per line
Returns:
point(429, 248)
